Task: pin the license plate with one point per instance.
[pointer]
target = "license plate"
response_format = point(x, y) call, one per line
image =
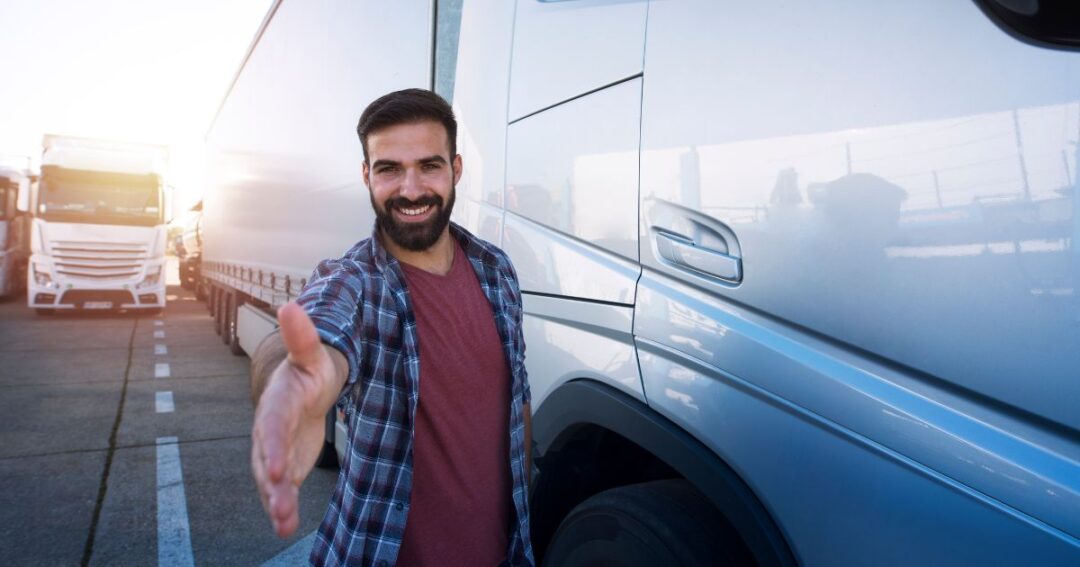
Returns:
point(98, 305)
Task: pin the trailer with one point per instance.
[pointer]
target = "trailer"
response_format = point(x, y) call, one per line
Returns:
point(15, 183)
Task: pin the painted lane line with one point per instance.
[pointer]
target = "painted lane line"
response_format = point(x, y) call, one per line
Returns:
point(163, 402)
point(161, 370)
point(159, 334)
point(174, 534)
point(295, 554)
point(159, 323)
point(161, 349)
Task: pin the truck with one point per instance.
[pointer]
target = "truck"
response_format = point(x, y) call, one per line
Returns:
point(98, 227)
point(799, 280)
point(188, 246)
point(15, 182)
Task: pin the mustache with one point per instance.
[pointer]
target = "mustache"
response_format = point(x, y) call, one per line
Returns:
point(403, 203)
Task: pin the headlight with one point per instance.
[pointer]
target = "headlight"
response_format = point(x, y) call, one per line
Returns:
point(42, 278)
point(153, 276)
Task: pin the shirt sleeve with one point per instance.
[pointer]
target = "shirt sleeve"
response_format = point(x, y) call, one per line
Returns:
point(518, 311)
point(332, 299)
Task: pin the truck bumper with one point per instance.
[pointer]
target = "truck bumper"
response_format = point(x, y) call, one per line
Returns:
point(40, 297)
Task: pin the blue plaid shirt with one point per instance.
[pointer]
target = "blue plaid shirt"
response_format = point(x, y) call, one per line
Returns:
point(360, 306)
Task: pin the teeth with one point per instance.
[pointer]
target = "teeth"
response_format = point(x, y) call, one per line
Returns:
point(415, 211)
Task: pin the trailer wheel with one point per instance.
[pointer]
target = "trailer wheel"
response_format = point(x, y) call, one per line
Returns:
point(328, 456)
point(42, 311)
point(665, 522)
point(211, 290)
point(228, 303)
point(233, 325)
point(219, 309)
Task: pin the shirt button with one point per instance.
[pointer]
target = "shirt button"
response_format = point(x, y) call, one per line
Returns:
point(399, 506)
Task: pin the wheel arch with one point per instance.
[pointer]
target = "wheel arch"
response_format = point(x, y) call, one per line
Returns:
point(584, 407)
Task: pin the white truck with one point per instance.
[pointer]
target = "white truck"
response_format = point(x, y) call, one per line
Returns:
point(15, 183)
point(98, 237)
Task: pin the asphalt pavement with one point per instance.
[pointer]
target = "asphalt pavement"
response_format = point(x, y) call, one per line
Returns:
point(125, 440)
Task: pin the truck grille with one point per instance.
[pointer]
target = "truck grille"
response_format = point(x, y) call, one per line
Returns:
point(80, 296)
point(99, 260)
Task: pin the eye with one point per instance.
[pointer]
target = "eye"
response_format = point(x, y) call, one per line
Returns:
point(431, 166)
point(387, 169)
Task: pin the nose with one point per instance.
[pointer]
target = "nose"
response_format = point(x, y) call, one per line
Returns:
point(411, 186)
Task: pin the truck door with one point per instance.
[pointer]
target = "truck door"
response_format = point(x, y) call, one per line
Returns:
point(858, 240)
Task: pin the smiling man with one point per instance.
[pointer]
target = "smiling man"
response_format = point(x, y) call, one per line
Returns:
point(416, 333)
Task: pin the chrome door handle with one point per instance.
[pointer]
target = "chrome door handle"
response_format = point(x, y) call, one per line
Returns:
point(683, 252)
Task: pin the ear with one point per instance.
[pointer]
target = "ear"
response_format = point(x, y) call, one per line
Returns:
point(457, 165)
point(366, 170)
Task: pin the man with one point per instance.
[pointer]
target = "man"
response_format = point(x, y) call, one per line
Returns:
point(417, 330)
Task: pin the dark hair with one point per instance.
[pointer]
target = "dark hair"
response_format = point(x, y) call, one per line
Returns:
point(407, 107)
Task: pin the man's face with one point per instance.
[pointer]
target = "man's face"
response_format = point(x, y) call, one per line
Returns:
point(411, 176)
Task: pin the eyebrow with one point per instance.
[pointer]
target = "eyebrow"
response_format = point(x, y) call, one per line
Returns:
point(387, 162)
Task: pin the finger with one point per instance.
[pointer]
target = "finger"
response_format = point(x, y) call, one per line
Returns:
point(284, 508)
point(259, 471)
point(299, 335)
point(273, 446)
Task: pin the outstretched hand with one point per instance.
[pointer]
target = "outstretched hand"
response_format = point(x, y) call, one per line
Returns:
point(290, 417)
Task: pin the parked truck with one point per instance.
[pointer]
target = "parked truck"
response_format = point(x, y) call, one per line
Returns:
point(15, 182)
point(799, 279)
point(99, 226)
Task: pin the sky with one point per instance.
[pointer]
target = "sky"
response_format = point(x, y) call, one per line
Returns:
point(150, 71)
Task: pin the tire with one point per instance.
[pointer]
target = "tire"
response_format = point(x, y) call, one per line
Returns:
point(200, 289)
point(328, 456)
point(211, 291)
point(666, 522)
point(228, 305)
point(233, 325)
point(219, 314)
point(43, 311)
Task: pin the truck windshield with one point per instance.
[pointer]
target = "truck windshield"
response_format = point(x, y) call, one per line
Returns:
point(99, 197)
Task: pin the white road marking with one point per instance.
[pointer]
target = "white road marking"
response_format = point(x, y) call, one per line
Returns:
point(159, 323)
point(163, 402)
point(159, 334)
point(295, 554)
point(161, 370)
point(161, 349)
point(174, 534)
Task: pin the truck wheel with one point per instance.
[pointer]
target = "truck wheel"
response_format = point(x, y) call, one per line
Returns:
point(666, 522)
point(227, 300)
point(200, 290)
point(211, 290)
point(219, 316)
point(328, 456)
point(41, 311)
point(233, 325)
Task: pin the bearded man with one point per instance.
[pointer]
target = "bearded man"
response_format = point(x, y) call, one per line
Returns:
point(416, 334)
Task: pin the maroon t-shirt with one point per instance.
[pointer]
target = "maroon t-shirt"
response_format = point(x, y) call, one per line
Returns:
point(459, 512)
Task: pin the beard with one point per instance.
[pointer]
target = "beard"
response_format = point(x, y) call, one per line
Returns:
point(414, 236)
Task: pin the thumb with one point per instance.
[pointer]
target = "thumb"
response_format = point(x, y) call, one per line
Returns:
point(299, 335)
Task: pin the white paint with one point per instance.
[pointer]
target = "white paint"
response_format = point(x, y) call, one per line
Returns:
point(295, 554)
point(161, 349)
point(159, 334)
point(174, 534)
point(161, 370)
point(163, 402)
point(159, 323)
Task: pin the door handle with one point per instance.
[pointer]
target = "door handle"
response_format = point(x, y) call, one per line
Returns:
point(683, 252)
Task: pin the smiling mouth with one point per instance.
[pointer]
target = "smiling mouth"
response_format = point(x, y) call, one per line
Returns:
point(414, 211)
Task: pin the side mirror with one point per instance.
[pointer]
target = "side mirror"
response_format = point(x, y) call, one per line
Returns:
point(1046, 23)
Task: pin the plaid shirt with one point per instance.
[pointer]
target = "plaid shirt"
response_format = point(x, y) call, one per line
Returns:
point(360, 306)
